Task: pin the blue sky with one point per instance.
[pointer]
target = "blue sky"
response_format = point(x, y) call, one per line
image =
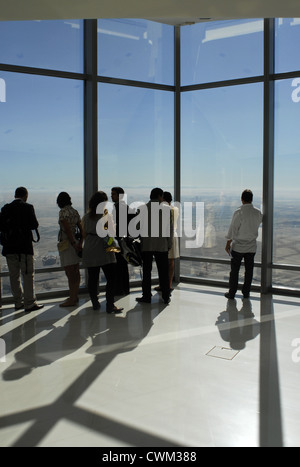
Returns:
point(41, 120)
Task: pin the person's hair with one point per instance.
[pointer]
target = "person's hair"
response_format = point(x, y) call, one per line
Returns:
point(118, 190)
point(97, 198)
point(155, 193)
point(21, 192)
point(247, 196)
point(63, 199)
point(167, 196)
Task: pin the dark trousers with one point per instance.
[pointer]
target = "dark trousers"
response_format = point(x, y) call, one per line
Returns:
point(162, 263)
point(235, 269)
point(93, 283)
point(122, 276)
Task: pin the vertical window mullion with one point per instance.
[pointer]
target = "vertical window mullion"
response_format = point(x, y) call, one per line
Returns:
point(177, 131)
point(90, 111)
point(268, 157)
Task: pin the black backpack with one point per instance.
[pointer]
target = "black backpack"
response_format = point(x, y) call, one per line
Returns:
point(12, 233)
point(131, 250)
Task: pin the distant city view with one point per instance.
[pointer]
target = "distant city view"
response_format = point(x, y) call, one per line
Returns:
point(218, 212)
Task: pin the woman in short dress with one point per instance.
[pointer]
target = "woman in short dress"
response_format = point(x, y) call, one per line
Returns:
point(96, 256)
point(69, 222)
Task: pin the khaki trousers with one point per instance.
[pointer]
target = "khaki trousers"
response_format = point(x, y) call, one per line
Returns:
point(21, 264)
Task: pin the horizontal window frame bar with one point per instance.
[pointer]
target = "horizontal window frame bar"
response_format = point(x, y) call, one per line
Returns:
point(43, 72)
point(285, 75)
point(240, 81)
point(221, 84)
point(134, 83)
point(144, 84)
point(211, 260)
point(289, 292)
point(83, 77)
point(286, 267)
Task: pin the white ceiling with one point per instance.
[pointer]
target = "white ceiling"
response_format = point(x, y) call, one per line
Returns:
point(168, 11)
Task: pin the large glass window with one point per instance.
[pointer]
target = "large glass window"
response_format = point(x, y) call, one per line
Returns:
point(136, 49)
point(221, 155)
point(287, 173)
point(41, 121)
point(136, 140)
point(54, 45)
point(221, 50)
point(287, 37)
point(41, 126)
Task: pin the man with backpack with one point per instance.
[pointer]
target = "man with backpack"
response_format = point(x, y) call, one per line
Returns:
point(17, 220)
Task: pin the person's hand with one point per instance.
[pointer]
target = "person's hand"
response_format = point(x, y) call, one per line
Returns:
point(227, 247)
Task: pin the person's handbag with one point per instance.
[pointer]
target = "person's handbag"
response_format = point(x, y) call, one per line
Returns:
point(62, 245)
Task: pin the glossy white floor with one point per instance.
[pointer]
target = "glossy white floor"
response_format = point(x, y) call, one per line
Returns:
point(202, 371)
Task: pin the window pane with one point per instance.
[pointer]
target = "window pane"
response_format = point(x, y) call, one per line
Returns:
point(221, 156)
point(287, 173)
point(136, 133)
point(212, 271)
point(41, 123)
point(56, 45)
point(221, 50)
point(287, 36)
point(136, 49)
point(286, 279)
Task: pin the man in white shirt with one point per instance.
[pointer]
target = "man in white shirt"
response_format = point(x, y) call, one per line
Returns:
point(241, 243)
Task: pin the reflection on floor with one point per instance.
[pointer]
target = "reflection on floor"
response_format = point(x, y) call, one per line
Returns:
point(201, 371)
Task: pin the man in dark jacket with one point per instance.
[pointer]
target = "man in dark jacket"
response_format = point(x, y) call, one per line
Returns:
point(156, 230)
point(122, 215)
point(17, 220)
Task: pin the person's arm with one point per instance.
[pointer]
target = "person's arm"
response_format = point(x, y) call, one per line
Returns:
point(80, 227)
point(67, 229)
point(235, 222)
point(228, 246)
point(31, 218)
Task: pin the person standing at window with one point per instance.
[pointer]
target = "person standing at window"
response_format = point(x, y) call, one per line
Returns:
point(122, 216)
point(241, 243)
point(156, 229)
point(69, 245)
point(96, 255)
point(17, 220)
